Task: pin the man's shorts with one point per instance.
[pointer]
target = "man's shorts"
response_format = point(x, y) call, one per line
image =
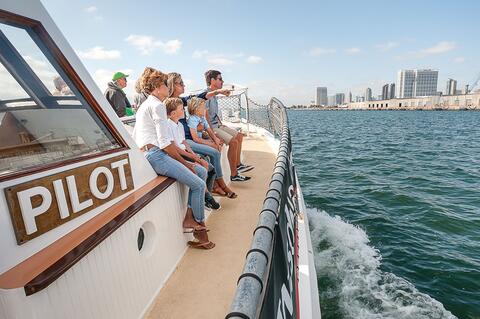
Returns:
point(225, 133)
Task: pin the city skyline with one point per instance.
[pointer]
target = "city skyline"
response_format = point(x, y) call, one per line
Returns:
point(420, 82)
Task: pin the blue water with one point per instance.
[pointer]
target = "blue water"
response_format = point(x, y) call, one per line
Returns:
point(394, 204)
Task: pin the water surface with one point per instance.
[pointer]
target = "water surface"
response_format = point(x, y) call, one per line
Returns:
point(394, 202)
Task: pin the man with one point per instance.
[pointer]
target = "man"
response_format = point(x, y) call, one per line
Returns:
point(230, 136)
point(115, 95)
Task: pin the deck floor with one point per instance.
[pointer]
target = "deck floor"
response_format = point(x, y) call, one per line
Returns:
point(204, 282)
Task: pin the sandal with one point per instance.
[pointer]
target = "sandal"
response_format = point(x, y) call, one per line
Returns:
point(188, 230)
point(205, 245)
point(232, 195)
point(219, 192)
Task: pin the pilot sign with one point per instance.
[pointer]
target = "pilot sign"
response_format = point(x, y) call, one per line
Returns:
point(40, 205)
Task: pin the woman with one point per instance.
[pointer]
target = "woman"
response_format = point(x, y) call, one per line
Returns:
point(176, 87)
point(140, 95)
point(151, 134)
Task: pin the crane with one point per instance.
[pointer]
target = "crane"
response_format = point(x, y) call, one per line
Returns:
point(474, 87)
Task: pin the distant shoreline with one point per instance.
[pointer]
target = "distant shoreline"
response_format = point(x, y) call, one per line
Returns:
point(383, 110)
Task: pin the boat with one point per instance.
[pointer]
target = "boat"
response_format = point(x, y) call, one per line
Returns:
point(89, 230)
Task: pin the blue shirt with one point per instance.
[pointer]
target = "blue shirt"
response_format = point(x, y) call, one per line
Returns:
point(194, 121)
point(185, 99)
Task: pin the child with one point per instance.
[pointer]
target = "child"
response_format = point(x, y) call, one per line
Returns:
point(198, 124)
point(175, 112)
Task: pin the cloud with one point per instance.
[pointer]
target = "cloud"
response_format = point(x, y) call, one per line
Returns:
point(441, 47)
point(219, 60)
point(98, 53)
point(148, 44)
point(459, 60)
point(254, 59)
point(387, 46)
point(320, 51)
point(353, 50)
point(198, 54)
point(91, 9)
point(171, 46)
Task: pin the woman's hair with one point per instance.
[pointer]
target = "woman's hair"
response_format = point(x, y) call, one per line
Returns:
point(172, 104)
point(193, 104)
point(147, 71)
point(172, 78)
point(152, 80)
point(138, 89)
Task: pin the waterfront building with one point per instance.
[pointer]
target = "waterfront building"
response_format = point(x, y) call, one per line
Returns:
point(321, 97)
point(385, 95)
point(391, 91)
point(359, 98)
point(418, 82)
point(451, 87)
point(405, 83)
point(425, 82)
point(470, 101)
point(368, 94)
point(349, 98)
point(331, 100)
point(339, 98)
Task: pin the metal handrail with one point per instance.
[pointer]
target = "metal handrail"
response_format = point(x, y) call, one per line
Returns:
point(253, 281)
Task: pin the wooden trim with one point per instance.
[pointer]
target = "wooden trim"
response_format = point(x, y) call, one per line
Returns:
point(43, 268)
point(40, 168)
point(15, 19)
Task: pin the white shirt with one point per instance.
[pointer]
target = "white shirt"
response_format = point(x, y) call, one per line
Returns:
point(151, 124)
point(177, 133)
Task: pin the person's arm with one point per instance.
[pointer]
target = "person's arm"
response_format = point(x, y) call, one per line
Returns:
point(214, 138)
point(218, 142)
point(172, 151)
point(194, 157)
point(213, 93)
point(163, 136)
point(200, 140)
point(188, 148)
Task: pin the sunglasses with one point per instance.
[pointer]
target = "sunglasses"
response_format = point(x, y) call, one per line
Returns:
point(180, 83)
point(220, 79)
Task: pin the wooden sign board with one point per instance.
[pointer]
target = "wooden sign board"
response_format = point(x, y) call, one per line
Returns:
point(41, 205)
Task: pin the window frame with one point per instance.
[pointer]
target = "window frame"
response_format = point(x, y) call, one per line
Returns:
point(49, 44)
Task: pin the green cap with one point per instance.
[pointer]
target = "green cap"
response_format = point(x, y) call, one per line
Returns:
point(119, 75)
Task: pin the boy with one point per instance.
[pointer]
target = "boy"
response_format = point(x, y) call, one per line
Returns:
point(174, 107)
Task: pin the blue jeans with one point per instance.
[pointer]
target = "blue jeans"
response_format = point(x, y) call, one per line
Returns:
point(163, 164)
point(209, 151)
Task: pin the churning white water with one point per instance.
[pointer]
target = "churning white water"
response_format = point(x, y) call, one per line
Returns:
point(353, 280)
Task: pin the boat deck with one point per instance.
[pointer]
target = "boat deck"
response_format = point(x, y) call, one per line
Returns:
point(203, 285)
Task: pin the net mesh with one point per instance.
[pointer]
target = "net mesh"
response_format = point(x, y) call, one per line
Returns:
point(238, 107)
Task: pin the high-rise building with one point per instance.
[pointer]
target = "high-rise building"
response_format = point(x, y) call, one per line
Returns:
point(331, 100)
point(413, 83)
point(451, 87)
point(339, 98)
point(349, 98)
point(426, 82)
point(321, 98)
point(405, 83)
point(385, 95)
point(391, 91)
point(368, 94)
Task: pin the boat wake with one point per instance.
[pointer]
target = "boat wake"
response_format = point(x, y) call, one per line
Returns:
point(351, 283)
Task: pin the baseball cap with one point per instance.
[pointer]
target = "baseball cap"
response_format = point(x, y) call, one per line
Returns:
point(118, 76)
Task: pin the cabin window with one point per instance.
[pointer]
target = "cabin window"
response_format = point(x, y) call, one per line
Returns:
point(44, 117)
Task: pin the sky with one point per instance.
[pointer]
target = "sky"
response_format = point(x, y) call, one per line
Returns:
point(275, 48)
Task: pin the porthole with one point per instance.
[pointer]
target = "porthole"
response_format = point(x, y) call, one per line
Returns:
point(140, 239)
